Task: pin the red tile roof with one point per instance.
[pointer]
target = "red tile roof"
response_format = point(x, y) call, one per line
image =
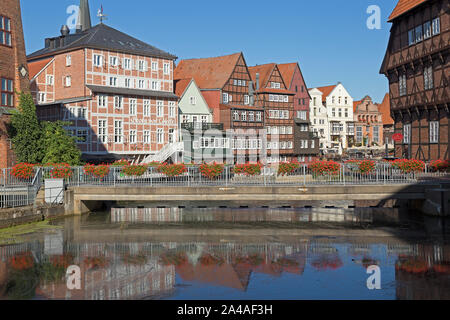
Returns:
point(326, 91)
point(181, 86)
point(264, 70)
point(403, 6)
point(35, 67)
point(287, 72)
point(385, 109)
point(209, 73)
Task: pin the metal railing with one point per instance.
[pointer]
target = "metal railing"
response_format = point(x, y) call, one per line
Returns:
point(16, 192)
point(304, 176)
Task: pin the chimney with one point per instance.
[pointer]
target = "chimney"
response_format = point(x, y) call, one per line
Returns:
point(65, 30)
point(84, 17)
point(257, 82)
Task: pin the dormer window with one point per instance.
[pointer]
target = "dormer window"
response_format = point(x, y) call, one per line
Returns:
point(276, 85)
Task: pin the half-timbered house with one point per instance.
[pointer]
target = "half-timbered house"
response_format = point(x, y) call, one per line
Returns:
point(417, 67)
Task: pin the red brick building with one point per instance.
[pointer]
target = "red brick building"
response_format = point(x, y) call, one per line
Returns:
point(388, 122)
point(13, 71)
point(306, 143)
point(368, 123)
point(417, 67)
point(116, 91)
point(278, 102)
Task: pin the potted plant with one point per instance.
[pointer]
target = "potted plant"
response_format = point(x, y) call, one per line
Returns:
point(212, 171)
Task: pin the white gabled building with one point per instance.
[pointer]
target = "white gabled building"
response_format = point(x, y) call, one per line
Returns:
point(338, 127)
point(319, 119)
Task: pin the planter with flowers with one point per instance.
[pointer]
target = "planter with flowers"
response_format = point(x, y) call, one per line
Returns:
point(23, 171)
point(440, 166)
point(97, 172)
point(134, 170)
point(249, 172)
point(327, 169)
point(212, 171)
point(55, 177)
point(172, 170)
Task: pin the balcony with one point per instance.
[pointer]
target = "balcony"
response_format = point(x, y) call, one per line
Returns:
point(192, 126)
point(301, 121)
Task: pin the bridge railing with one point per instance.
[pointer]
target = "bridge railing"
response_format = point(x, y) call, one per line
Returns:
point(304, 175)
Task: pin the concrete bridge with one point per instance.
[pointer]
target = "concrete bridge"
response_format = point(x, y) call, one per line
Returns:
point(430, 198)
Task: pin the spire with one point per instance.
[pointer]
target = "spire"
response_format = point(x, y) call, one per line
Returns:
point(84, 16)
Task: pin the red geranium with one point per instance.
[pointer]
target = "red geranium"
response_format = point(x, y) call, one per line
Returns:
point(172, 170)
point(23, 170)
point(211, 171)
point(248, 169)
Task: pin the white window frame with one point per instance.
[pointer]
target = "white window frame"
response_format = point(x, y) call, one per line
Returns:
point(407, 133)
point(68, 60)
point(160, 136)
point(118, 131)
point(436, 26)
point(160, 109)
point(97, 60)
point(118, 102)
point(147, 108)
point(67, 81)
point(133, 107)
point(172, 109)
point(49, 80)
point(434, 131)
point(133, 136)
point(103, 130)
point(166, 69)
point(102, 101)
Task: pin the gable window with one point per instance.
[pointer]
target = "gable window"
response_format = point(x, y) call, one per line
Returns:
point(276, 85)
point(193, 101)
point(49, 80)
point(427, 30)
point(419, 35)
point(42, 97)
point(68, 60)
point(411, 37)
point(434, 131)
point(428, 77)
point(98, 60)
point(166, 68)
point(402, 85)
point(5, 31)
point(436, 26)
point(68, 81)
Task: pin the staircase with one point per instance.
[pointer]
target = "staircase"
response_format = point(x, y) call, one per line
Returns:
point(165, 153)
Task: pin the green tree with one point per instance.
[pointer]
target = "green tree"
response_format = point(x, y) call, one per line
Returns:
point(26, 131)
point(59, 146)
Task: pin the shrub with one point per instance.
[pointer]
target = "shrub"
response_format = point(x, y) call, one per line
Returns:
point(287, 168)
point(172, 170)
point(134, 170)
point(23, 171)
point(211, 171)
point(325, 167)
point(248, 169)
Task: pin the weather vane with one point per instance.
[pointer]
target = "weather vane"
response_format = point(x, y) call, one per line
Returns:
point(101, 15)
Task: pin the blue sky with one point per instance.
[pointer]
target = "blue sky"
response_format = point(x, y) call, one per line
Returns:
point(329, 38)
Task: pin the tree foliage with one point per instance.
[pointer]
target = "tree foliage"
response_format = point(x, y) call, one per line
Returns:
point(59, 146)
point(40, 143)
point(26, 131)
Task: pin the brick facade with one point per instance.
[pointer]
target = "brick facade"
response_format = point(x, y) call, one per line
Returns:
point(12, 57)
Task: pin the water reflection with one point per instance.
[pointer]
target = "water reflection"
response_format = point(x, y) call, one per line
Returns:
point(141, 263)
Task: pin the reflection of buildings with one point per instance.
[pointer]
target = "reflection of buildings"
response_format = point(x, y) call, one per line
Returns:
point(232, 215)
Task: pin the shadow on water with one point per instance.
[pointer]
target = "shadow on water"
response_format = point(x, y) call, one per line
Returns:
point(144, 252)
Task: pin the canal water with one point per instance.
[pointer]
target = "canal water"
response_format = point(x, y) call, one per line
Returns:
point(220, 253)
